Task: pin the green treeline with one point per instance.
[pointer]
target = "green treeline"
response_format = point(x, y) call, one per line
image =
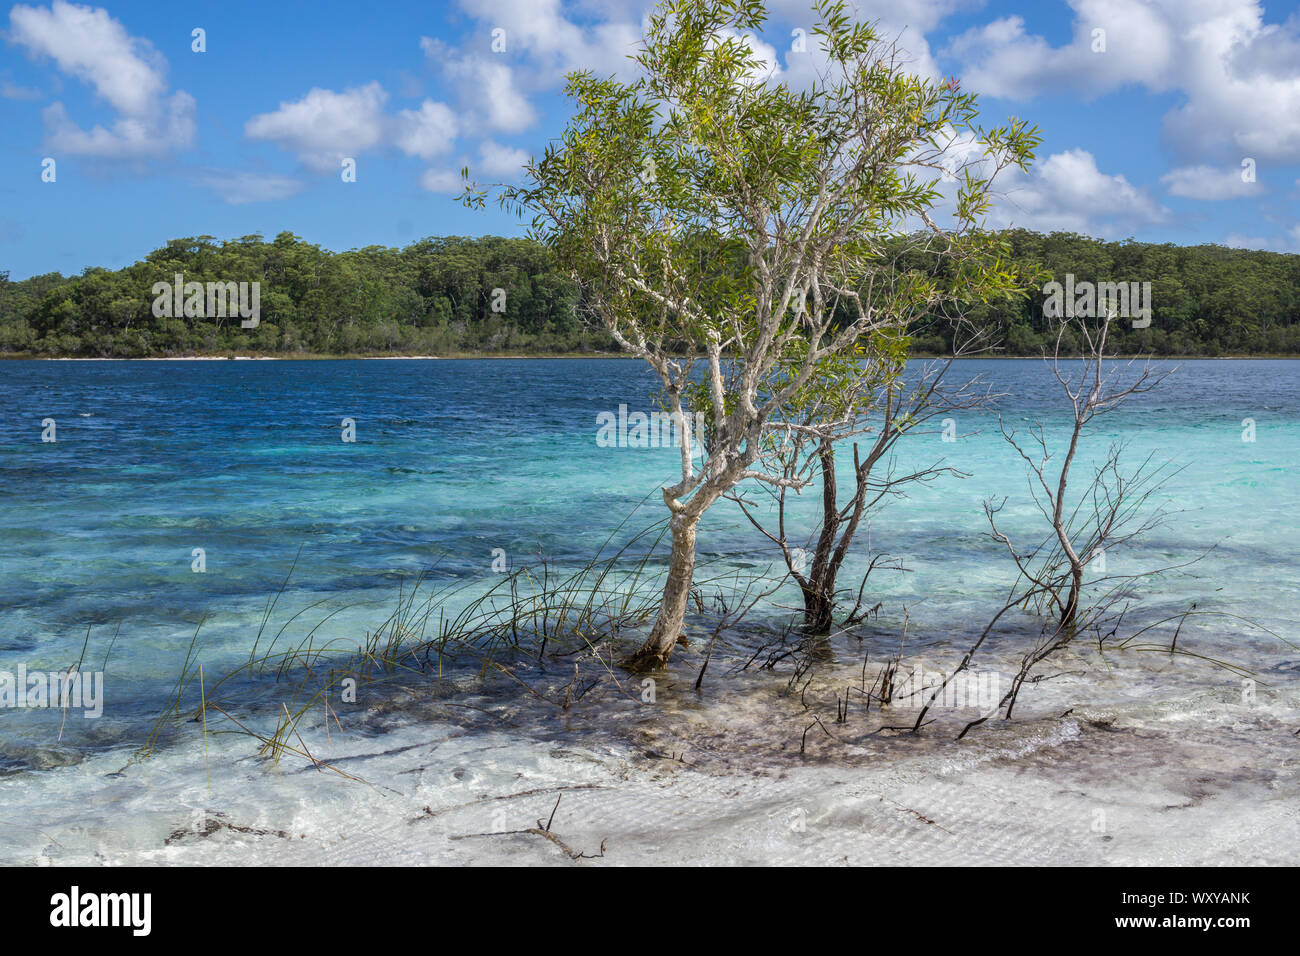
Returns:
point(438, 297)
point(1205, 300)
point(431, 297)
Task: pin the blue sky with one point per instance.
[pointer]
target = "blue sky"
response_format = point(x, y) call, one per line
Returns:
point(152, 141)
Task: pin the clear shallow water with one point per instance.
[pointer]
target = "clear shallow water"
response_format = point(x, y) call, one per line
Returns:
point(456, 458)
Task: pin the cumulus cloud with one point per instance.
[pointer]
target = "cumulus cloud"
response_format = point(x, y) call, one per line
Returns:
point(442, 181)
point(1067, 192)
point(504, 161)
point(125, 72)
point(1134, 46)
point(130, 137)
point(1208, 182)
point(489, 93)
point(426, 132)
point(92, 46)
point(521, 46)
point(904, 22)
point(539, 31)
point(324, 127)
point(1239, 76)
point(545, 39)
point(495, 160)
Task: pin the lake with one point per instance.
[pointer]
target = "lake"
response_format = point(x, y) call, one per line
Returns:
point(178, 495)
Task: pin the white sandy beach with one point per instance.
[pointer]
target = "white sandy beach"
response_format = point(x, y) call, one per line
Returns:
point(1204, 779)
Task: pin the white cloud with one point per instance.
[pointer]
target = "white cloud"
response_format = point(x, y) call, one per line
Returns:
point(1001, 59)
point(442, 181)
point(12, 91)
point(130, 137)
point(1067, 192)
point(1236, 240)
point(1290, 242)
point(426, 132)
point(545, 39)
point(924, 15)
point(506, 108)
point(1208, 182)
point(1240, 77)
point(238, 187)
point(503, 161)
point(904, 22)
point(489, 95)
point(89, 44)
point(539, 31)
point(1242, 81)
point(125, 71)
point(542, 44)
point(324, 127)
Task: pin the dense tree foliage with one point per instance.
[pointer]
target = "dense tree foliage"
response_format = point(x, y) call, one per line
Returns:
point(436, 297)
point(1205, 300)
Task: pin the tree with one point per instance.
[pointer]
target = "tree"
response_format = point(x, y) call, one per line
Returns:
point(1109, 511)
point(888, 405)
point(715, 215)
point(438, 293)
point(1081, 533)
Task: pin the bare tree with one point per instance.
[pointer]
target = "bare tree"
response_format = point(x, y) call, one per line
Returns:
point(886, 405)
point(1117, 501)
point(1111, 510)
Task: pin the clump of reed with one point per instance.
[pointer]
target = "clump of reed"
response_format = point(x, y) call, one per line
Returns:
point(526, 618)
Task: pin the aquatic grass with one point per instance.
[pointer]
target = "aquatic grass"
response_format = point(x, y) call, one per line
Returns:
point(532, 615)
point(183, 682)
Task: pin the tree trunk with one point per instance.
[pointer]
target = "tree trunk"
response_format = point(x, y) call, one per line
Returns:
point(817, 608)
point(677, 592)
point(833, 544)
point(1072, 602)
point(819, 593)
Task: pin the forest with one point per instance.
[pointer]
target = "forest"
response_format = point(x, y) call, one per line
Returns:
point(439, 296)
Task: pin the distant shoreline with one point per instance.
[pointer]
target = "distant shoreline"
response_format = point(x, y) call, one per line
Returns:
point(468, 356)
point(312, 356)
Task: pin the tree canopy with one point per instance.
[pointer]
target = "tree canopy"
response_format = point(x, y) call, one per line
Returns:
point(434, 297)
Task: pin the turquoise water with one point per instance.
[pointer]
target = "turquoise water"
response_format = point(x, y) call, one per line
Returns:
point(453, 459)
